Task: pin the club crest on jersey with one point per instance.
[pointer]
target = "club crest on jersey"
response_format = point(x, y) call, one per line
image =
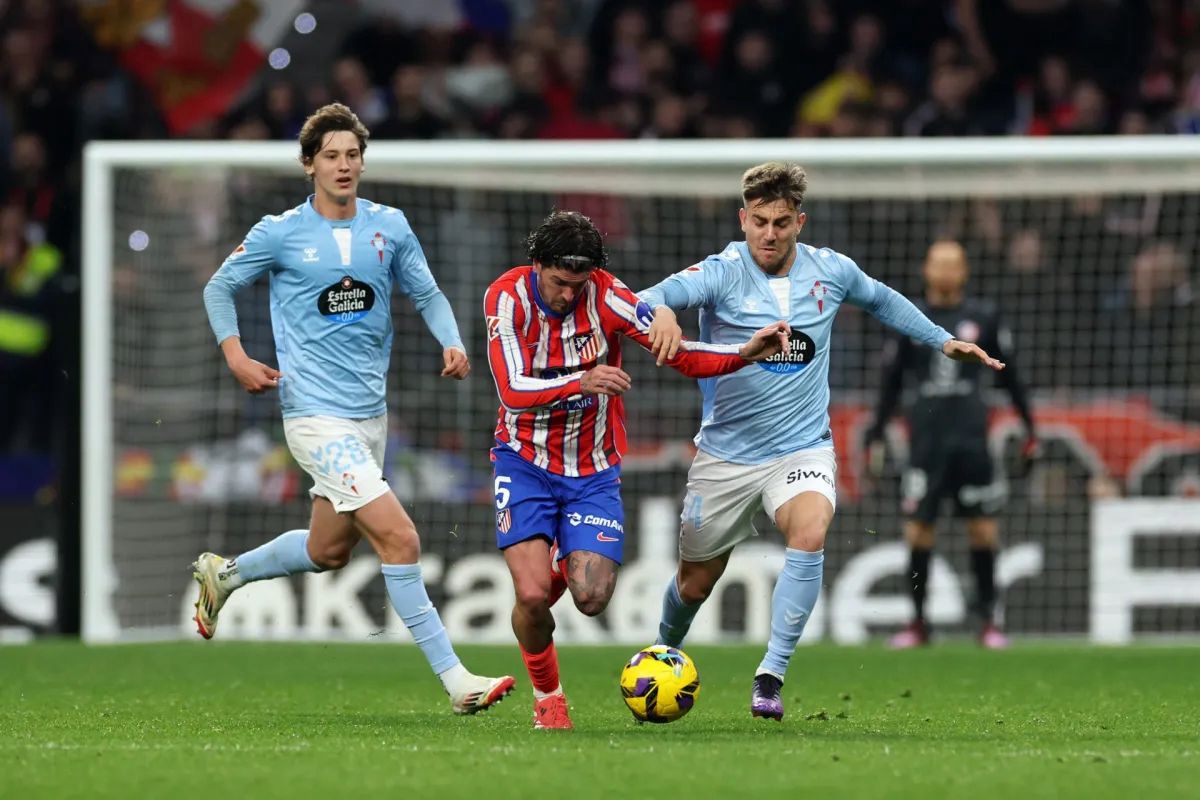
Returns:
point(818, 292)
point(800, 352)
point(587, 346)
point(504, 520)
point(967, 331)
point(493, 327)
point(379, 242)
point(347, 300)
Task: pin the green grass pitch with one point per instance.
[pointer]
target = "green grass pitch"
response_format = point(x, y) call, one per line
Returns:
point(348, 721)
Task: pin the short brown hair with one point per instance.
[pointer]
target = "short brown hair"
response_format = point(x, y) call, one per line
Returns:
point(329, 119)
point(775, 180)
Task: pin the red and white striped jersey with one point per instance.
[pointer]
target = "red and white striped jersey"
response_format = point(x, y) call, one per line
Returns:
point(538, 356)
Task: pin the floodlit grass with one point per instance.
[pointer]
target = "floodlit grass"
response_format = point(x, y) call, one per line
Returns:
point(347, 721)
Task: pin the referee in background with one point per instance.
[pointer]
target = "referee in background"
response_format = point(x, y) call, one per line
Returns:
point(947, 418)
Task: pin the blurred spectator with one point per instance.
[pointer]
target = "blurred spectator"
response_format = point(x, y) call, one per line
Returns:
point(669, 119)
point(681, 33)
point(33, 189)
point(1149, 332)
point(947, 112)
point(623, 70)
point(409, 117)
point(1052, 102)
point(28, 305)
point(352, 86)
point(282, 111)
point(482, 82)
point(1089, 114)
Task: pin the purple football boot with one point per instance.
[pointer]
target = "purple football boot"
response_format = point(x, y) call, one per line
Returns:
point(766, 700)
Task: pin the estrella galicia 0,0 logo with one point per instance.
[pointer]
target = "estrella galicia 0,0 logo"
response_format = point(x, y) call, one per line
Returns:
point(347, 300)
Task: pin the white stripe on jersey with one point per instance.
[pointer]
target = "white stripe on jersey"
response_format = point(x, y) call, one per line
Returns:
point(707, 347)
point(570, 431)
point(513, 358)
point(598, 457)
point(593, 312)
point(622, 308)
point(541, 418)
point(523, 296)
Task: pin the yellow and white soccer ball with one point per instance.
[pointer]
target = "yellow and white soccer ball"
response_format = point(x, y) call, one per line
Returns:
point(660, 684)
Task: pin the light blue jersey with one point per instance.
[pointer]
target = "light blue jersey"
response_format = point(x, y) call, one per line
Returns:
point(780, 406)
point(331, 290)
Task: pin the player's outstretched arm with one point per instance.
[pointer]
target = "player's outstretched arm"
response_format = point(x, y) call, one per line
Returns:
point(970, 353)
point(665, 335)
point(766, 342)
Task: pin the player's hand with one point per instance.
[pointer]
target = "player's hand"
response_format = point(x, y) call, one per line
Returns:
point(603, 379)
point(972, 353)
point(255, 376)
point(1030, 450)
point(769, 341)
point(456, 363)
point(665, 335)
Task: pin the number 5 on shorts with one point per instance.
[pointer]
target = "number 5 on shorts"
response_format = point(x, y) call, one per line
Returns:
point(502, 494)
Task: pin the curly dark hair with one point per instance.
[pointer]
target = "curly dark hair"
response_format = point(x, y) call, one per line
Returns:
point(569, 240)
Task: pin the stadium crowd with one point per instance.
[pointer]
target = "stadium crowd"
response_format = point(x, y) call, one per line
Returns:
point(597, 69)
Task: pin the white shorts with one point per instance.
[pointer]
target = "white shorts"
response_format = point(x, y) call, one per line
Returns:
point(344, 457)
point(722, 497)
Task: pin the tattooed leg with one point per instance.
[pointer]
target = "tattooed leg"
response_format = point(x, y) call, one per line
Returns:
point(591, 578)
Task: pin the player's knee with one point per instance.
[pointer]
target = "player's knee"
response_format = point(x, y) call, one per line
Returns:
point(590, 603)
point(695, 590)
point(328, 558)
point(591, 600)
point(399, 543)
point(809, 537)
point(532, 596)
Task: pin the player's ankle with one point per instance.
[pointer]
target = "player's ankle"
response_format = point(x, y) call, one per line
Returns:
point(455, 679)
point(540, 695)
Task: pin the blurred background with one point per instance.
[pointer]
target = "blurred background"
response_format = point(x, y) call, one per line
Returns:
point(1097, 285)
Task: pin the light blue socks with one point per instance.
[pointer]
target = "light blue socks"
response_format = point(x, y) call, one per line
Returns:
point(792, 603)
point(411, 601)
point(677, 616)
point(286, 554)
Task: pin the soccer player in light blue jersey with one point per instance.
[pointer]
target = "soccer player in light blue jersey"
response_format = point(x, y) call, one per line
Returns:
point(333, 262)
point(764, 437)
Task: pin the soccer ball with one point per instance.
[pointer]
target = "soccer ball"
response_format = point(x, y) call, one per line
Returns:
point(659, 684)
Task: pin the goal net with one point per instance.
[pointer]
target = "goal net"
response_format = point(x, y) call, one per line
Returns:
point(1088, 247)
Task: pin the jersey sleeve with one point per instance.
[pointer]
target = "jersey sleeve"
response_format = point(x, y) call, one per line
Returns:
point(508, 359)
point(889, 306)
point(412, 276)
point(624, 312)
point(248, 262)
point(696, 286)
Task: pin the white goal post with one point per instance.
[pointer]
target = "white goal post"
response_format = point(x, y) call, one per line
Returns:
point(1061, 229)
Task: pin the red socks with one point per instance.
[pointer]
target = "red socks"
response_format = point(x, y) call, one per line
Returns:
point(542, 668)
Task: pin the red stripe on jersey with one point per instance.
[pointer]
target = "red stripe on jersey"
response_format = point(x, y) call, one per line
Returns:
point(536, 357)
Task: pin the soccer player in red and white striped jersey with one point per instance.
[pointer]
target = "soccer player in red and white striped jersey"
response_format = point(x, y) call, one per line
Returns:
point(554, 347)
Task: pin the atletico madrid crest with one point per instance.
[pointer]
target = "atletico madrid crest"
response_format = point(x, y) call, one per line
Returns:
point(504, 520)
point(587, 346)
